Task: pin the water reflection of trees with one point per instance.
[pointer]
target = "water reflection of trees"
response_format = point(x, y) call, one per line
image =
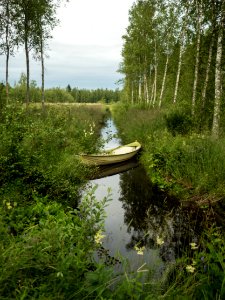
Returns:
point(150, 213)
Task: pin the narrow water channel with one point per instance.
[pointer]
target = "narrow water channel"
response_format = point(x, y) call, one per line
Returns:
point(140, 215)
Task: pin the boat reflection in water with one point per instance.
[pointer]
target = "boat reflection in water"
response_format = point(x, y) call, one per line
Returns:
point(113, 169)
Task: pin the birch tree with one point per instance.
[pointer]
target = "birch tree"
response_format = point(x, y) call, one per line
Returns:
point(8, 37)
point(181, 51)
point(218, 73)
point(45, 22)
point(198, 40)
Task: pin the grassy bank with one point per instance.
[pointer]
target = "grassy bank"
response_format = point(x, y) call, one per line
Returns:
point(38, 150)
point(190, 166)
point(175, 156)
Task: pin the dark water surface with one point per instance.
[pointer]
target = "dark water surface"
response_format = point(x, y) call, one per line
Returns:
point(140, 215)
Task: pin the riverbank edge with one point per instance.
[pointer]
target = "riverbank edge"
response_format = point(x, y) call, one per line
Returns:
point(181, 189)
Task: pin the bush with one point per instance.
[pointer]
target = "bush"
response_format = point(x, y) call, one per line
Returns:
point(178, 123)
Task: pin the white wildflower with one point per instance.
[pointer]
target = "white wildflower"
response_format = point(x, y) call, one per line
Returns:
point(159, 241)
point(99, 236)
point(140, 250)
point(190, 269)
point(193, 246)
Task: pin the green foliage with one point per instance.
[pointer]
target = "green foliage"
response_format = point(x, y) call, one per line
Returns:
point(58, 95)
point(193, 161)
point(52, 250)
point(179, 123)
point(94, 96)
point(201, 275)
point(190, 167)
point(38, 150)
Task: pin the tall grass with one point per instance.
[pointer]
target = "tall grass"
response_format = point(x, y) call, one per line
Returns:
point(189, 165)
point(38, 149)
point(193, 161)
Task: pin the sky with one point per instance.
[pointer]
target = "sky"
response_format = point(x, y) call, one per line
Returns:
point(85, 50)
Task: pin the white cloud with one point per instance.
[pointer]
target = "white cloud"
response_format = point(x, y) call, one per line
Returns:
point(86, 46)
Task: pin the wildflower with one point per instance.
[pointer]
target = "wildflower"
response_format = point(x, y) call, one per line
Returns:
point(8, 204)
point(190, 268)
point(193, 246)
point(159, 241)
point(140, 250)
point(99, 236)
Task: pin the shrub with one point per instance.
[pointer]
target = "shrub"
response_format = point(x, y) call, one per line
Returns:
point(178, 123)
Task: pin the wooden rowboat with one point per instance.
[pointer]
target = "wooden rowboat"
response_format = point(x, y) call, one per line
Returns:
point(112, 156)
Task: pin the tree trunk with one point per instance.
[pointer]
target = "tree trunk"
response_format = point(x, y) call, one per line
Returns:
point(218, 90)
point(7, 75)
point(152, 92)
point(207, 71)
point(42, 77)
point(28, 73)
point(155, 80)
point(164, 80)
point(132, 92)
point(199, 21)
point(139, 90)
point(182, 34)
point(146, 89)
point(178, 73)
point(7, 54)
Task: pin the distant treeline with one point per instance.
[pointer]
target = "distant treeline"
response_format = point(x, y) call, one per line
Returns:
point(85, 95)
point(56, 94)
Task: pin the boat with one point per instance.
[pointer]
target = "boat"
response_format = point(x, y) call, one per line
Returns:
point(112, 156)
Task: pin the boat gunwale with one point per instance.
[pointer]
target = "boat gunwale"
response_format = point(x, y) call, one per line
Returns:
point(107, 152)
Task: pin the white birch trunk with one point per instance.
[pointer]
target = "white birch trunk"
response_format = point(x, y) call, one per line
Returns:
point(132, 92)
point(139, 89)
point(164, 80)
point(146, 89)
point(7, 54)
point(217, 101)
point(178, 73)
point(207, 72)
point(182, 35)
point(199, 21)
point(42, 76)
point(152, 93)
point(155, 80)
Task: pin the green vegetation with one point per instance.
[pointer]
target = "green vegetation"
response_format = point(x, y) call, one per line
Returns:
point(189, 166)
point(173, 103)
point(176, 160)
point(38, 150)
point(173, 57)
point(56, 95)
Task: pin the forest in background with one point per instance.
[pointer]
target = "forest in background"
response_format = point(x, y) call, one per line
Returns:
point(56, 94)
point(174, 58)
